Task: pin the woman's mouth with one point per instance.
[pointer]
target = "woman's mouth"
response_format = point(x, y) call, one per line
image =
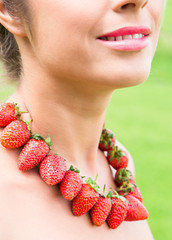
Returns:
point(127, 39)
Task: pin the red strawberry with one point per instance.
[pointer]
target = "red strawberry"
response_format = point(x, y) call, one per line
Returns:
point(117, 158)
point(123, 175)
point(118, 212)
point(52, 169)
point(100, 211)
point(136, 193)
point(107, 140)
point(8, 113)
point(86, 198)
point(71, 183)
point(34, 152)
point(132, 190)
point(15, 134)
point(136, 209)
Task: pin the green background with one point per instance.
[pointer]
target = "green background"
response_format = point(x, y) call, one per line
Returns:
point(141, 118)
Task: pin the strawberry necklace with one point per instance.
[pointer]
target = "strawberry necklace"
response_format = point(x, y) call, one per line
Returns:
point(125, 204)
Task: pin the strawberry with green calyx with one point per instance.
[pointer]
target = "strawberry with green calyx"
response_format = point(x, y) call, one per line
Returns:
point(100, 211)
point(71, 184)
point(34, 151)
point(107, 140)
point(136, 209)
point(86, 198)
point(123, 175)
point(15, 134)
point(9, 112)
point(118, 211)
point(47, 140)
point(117, 158)
point(52, 169)
point(130, 189)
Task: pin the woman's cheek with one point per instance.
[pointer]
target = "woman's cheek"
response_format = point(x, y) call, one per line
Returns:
point(156, 11)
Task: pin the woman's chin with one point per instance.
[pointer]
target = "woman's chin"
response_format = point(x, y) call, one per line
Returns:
point(132, 81)
point(126, 78)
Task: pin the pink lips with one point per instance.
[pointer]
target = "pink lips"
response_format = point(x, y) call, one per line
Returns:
point(132, 44)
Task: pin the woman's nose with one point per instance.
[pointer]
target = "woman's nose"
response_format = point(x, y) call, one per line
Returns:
point(121, 5)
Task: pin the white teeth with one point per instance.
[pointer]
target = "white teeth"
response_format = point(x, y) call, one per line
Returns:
point(136, 36)
point(120, 38)
point(127, 37)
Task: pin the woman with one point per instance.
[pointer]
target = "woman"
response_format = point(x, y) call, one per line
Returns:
point(72, 55)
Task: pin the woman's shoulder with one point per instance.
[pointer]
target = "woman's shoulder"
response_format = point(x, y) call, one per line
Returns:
point(8, 169)
point(30, 197)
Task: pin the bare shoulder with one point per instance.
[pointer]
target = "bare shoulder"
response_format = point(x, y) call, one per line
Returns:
point(131, 166)
point(27, 204)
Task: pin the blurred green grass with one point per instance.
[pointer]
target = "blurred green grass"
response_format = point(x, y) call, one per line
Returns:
point(141, 118)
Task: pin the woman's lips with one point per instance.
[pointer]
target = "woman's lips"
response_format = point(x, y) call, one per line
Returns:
point(126, 39)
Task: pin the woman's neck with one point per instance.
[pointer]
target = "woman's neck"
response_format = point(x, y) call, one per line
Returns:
point(70, 112)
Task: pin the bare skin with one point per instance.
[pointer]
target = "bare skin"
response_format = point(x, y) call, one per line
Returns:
point(30, 209)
